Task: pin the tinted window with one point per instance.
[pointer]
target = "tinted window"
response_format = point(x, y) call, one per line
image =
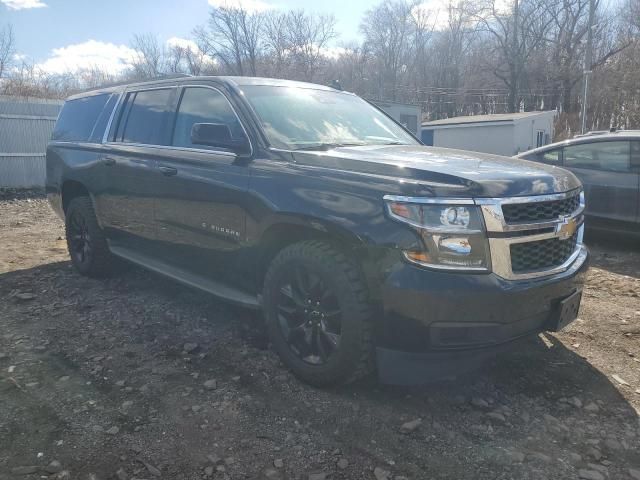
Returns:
point(613, 156)
point(101, 123)
point(203, 105)
point(146, 117)
point(78, 118)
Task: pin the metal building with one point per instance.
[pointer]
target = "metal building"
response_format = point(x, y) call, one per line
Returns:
point(408, 115)
point(25, 128)
point(501, 134)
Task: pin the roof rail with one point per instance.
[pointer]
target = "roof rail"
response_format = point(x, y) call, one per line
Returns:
point(605, 132)
point(595, 132)
point(131, 81)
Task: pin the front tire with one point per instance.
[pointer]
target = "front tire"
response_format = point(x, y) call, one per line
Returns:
point(86, 242)
point(318, 314)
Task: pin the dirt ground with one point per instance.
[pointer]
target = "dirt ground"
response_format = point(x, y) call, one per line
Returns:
point(138, 377)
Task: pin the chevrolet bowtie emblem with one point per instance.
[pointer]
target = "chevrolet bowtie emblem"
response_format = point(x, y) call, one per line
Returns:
point(566, 228)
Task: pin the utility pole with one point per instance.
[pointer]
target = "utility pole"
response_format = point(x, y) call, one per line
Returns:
point(587, 64)
point(515, 52)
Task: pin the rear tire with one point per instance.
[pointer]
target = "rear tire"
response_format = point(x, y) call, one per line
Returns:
point(86, 242)
point(318, 314)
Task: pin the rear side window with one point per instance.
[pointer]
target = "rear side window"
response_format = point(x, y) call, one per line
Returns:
point(612, 156)
point(78, 118)
point(146, 117)
point(203, 105)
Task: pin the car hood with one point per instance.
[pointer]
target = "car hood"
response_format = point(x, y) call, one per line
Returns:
point(446, 171)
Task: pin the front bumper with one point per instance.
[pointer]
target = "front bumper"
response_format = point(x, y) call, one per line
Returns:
point(436, 323)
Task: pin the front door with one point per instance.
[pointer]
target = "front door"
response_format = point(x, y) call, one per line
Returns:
point(201, 211)
point(610, 182)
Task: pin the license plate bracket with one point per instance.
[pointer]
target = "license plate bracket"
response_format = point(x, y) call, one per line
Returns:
point(567, 311)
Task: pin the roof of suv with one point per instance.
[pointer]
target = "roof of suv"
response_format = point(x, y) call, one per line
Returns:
point(599, 136)
point(180, 78)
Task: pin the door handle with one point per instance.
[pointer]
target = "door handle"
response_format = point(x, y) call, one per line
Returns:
point(109, 161)
point(168, 171)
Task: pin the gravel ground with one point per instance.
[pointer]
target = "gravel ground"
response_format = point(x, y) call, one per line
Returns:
point(138, 377)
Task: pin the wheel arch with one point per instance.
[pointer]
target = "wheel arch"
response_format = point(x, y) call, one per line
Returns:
point(284, 232)
point(71, 189)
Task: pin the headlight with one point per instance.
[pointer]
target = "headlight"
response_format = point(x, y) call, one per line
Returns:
point(453, 234)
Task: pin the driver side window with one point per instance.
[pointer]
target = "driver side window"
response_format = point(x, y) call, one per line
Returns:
point(203, 105)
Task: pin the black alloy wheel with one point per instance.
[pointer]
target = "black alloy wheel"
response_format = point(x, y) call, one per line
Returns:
point(309, 316)
point(79, 239)
point(87, 244)
point(318, 313)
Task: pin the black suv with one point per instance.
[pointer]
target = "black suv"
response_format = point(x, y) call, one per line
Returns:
point(363, 248)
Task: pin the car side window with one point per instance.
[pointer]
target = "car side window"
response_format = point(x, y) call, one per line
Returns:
point(203, 105)
point(146, 117)
point(551, 157)
point(612, 156)
point(78, 118)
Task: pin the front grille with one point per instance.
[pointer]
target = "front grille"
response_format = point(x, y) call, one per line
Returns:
point(541, 254)
point(540, 211)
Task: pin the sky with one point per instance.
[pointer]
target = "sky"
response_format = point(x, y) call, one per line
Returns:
point(60, 35)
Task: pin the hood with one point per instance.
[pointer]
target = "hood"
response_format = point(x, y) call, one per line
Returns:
point(446, 171)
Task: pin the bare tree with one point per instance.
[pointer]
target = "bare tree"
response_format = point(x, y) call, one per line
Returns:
point(234, 37)
point(309, 36)
point(277, 42)
point(7, 49)
point(149, 61)
point(517, 32)
point(387, 29)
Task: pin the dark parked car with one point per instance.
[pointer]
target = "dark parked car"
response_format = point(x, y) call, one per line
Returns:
point(363, 248)
point(608, 165)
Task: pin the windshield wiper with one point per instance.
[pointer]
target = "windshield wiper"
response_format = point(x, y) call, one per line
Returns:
point(329, 146)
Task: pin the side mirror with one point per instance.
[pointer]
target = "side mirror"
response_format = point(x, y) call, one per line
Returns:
point(218, 135)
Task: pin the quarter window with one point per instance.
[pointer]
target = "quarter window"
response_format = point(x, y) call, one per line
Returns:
point(613, 156)
point(204, 105)
point(78, 118)
point(146, 117)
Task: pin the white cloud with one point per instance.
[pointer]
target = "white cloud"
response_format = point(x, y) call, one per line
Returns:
point(91, 54)
point(248, 5)
point(183, 43)
point(22, 4)
point(333, 52)
point(435, 13)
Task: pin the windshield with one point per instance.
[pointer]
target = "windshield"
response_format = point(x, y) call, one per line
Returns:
point(303, 118)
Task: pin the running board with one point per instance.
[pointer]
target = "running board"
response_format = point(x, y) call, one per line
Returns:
point(221, 291)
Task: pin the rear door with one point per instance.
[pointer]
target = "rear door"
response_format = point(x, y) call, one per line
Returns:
point(610, 182)
point(130, 160)
point(201, 211)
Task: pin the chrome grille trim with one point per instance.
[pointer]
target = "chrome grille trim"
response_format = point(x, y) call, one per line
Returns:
point(494, 218)
point(500, 247)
